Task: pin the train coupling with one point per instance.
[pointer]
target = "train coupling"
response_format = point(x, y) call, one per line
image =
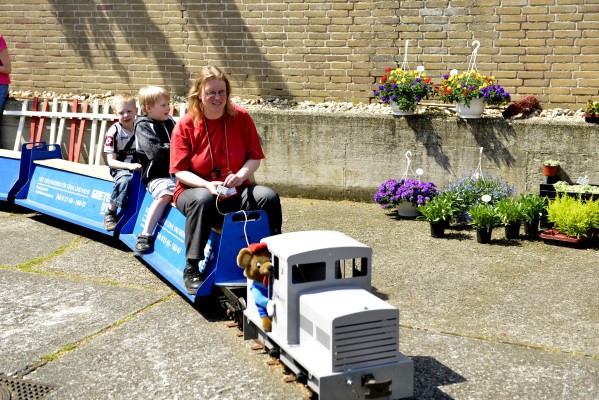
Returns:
point(374, 389)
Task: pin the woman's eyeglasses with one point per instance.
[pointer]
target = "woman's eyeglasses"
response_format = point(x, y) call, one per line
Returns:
point(212, 93)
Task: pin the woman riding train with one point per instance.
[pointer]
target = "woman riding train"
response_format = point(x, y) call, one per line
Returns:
point(215, 150)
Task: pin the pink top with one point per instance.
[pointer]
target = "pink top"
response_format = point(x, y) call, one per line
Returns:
point(4, 78)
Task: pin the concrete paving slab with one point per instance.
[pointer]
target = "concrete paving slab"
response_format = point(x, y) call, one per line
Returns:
point(42, 314)
point(457, 367)
point(24, 239)
point(168, 352)
point(512, 319)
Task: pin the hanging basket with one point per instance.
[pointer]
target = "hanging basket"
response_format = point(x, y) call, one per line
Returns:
point(407, 209)
point(398, 112)
point(474, 110)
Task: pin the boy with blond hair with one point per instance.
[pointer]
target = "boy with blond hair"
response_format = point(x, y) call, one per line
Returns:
point(121, 155)
point(153, 134)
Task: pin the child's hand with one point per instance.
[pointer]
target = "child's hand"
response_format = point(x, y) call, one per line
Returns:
point(135, 167)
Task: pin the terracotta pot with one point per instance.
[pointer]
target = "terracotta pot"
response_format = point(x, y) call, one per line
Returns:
point(550, 170)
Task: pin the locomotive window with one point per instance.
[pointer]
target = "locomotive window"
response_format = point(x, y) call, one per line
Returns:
point(351, 268)
point(275, 264)
point(301, 273)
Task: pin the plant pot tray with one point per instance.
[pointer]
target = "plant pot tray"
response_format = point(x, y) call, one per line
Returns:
point(547, 189)
point(554, 236)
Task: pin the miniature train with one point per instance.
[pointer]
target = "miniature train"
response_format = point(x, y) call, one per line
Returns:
point(329, 329)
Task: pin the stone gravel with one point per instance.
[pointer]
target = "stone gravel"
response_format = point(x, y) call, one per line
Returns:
point(428, 107)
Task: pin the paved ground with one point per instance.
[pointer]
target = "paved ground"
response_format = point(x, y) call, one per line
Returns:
point(81, 317)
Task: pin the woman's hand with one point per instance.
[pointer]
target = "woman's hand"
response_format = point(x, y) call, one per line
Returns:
point(232, 180)
point(211, 186)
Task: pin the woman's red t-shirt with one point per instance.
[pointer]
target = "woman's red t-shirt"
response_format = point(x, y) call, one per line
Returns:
point(193, 150)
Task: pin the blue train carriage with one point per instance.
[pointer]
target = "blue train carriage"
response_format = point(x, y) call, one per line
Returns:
point(15, 169)
point(224, 279)
point(70, 191)
point(328, 328)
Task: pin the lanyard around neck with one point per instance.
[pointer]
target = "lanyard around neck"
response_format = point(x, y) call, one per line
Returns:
point(210, 143)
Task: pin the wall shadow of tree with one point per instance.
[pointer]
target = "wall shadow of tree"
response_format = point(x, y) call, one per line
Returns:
point(98, 33)
point(236, 48)
point(490, 134)
point(431, 140)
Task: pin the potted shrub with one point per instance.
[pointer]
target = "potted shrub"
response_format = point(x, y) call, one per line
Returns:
point(533, 208)
point(471, 91)
point(483, 217)
point(574, 220)
point(438, 212)
point(405, 195)
point(550, 167)
point(511, 214)
point(403, 90)
point(470, 189)
point(591, 111)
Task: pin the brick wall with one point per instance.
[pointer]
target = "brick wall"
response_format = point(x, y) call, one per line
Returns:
point(317, 50)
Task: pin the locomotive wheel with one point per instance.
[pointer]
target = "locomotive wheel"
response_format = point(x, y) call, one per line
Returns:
point(274, 353)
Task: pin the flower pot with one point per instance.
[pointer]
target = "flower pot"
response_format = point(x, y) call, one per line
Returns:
point(512, 231)
point(406, 209)
point(483, 235)
point(532, 228)
point(591, 118)
point(550, 170)
point(474, 110)
point(397, 111)
point(438, 229)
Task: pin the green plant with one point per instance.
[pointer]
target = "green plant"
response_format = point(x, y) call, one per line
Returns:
point(469, 190)
point(405, 88)
point(471, 85)
point(551, 163)
point(533, 206)
point(440, 208)
point(483, 216)
point(572, 216)
point(510, 210)
point(592, 108)
point(565, 187)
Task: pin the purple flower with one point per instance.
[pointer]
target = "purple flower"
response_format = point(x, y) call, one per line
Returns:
point(409, 190)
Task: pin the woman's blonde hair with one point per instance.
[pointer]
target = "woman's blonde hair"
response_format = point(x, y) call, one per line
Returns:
point(149, 95)
point(194, 100)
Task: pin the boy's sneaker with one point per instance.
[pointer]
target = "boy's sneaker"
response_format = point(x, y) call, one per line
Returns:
point(110, 221)
point(143, 244)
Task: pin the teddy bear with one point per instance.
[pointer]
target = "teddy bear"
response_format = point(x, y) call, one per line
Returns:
point(256, 262)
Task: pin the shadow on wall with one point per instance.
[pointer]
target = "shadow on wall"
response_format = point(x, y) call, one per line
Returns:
point(215, 37)
point(101, 29)
point(224, 35)
point(490, 133)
